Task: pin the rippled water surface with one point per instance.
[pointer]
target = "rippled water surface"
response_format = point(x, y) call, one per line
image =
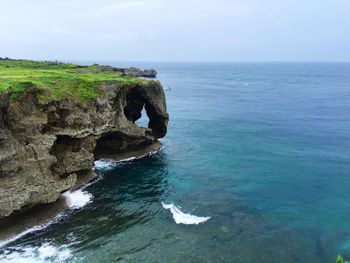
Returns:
point(261, 149)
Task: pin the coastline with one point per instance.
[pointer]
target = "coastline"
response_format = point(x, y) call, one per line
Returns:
point(41, 216)
point(56, 121)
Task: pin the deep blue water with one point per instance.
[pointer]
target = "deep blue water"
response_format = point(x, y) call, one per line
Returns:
point(261, 148)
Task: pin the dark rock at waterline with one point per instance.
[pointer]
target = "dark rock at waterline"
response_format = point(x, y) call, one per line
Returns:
point(46, 147)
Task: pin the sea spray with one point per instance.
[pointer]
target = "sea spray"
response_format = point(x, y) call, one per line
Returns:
point(77, 199)
point(104, 165)
point(182, 218)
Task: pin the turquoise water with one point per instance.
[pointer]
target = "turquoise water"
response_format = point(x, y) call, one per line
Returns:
point(262, 149)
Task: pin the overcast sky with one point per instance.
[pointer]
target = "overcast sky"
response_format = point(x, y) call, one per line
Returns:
point(176, 30)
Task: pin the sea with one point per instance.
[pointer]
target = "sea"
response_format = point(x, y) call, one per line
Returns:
point(255, 168)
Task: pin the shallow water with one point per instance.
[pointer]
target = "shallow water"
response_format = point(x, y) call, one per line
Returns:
point(261, 149)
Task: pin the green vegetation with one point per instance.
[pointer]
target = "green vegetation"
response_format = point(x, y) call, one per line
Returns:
point(341, 260)
point(57, 80)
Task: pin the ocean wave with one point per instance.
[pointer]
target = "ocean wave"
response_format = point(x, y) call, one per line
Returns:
point(182, 218)
point(107, 164)
point(38, 254)
point(140, 157)
point(77, 199)
point(27, 231)
point(104, 164)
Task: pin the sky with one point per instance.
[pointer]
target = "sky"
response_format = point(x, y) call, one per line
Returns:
point(176, 30)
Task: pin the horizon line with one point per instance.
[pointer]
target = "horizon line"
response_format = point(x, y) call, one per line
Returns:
point(183, 61)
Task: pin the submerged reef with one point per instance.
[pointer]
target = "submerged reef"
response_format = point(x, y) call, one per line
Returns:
point(56, 119)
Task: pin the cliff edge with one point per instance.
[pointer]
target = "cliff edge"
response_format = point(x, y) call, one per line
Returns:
point(51, 133)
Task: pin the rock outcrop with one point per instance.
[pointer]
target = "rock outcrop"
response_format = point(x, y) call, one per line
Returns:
point(130, 72)
point(136, 72)
point(46, 147)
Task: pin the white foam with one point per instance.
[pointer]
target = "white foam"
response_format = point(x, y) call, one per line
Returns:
point(39, 254)
point(107, 164)
point(77, 199)
point(25, 232)
point(104, 164)
point(129, 159)
point(139, 157)
point(182, 218)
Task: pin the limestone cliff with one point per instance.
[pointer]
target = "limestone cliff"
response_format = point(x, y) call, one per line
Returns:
point(46, 147)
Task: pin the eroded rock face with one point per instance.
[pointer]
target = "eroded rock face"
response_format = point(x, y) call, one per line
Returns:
point(46, 147)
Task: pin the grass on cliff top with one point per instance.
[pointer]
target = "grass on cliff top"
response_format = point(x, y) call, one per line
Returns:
point(58, 80)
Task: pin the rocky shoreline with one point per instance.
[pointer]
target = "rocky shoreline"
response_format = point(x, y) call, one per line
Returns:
point(40, 216)
point(47, 148)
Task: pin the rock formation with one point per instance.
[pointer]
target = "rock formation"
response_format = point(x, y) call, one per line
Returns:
point(136, 72)
point(47, 147)
point(130, 72)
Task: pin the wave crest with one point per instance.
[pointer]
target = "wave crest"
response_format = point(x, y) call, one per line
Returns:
point(43, 253)
point(77, 199)
point(182, 218)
